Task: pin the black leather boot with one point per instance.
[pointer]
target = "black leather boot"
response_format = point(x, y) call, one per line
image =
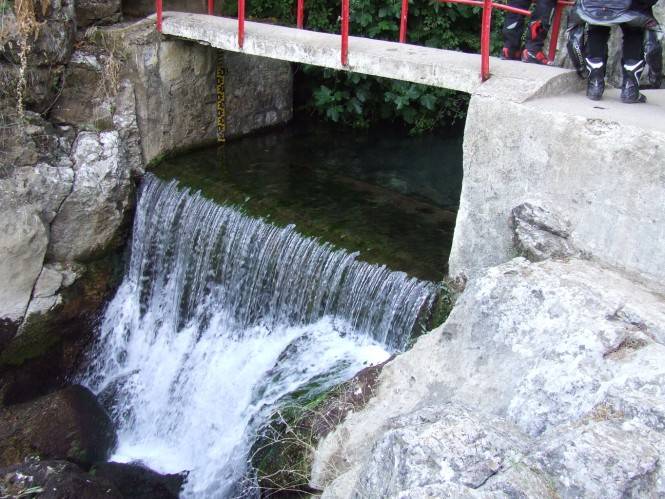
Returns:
point(596, 80)
point(630, 88)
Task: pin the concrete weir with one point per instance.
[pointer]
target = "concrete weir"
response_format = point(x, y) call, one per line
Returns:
point(531, 136)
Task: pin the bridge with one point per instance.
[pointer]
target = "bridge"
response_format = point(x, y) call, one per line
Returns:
point(512, 80)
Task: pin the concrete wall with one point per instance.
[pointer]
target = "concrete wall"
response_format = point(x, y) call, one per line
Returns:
point(599, 166)
point(176, 95)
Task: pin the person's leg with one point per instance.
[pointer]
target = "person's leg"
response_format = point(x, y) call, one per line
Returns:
point(537, 32)
point(653, 55)
point(576, 44)
point(633, 64)
point(596, 59)
point(513, 28)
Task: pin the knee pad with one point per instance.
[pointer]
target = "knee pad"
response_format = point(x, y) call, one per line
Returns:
point(575, 45)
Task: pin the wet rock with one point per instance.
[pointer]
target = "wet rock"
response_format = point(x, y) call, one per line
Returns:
point(138, 482)
point(54, 479)
point(554, 349)
point(97, 12)
point(68, 424)
point(540, 234)
point(91, 215)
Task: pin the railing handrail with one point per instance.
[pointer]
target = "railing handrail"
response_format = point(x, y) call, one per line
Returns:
point(485, 31)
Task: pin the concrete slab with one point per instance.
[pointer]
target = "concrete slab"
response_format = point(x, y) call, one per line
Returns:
point(511, 80)
point(649, 116)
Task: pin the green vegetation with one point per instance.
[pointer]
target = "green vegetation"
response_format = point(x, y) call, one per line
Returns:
point(6, 6)
point(363, 101)
point(283, 452)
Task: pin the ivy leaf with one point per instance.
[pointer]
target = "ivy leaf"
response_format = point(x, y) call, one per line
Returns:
point(428, 101)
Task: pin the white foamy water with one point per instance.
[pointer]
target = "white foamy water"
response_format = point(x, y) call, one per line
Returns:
point(218, 318)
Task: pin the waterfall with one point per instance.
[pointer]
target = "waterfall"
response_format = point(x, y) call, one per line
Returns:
point(219, 316)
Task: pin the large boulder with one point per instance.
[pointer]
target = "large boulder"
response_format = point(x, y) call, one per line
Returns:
point(138, 482)
point(567, 353)
point(68, 424)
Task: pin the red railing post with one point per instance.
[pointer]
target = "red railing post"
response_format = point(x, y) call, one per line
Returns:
point(485, 40)
point(402, 23)
point(300, 13)
point(211, 7)
point(241, 22)
point(159, 15)
point(345, 32)
point(556, 27)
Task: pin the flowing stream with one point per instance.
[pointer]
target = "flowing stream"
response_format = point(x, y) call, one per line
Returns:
point(221, 315)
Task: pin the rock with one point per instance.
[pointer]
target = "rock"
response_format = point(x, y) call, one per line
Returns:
point(539, 234)
point(22, 246)
point(604, 457)
point(53, 36)
point(42, 85)
point(601, 172)
point(125, 121)
point(85, 100)
point(54, 479)
point(68, 424)
point(97, 12)
point(91, 215)
point(41, 186)
point(37, 141)
point(45, 295)
point(138, 482)
point(548, 347)
point(444, 445)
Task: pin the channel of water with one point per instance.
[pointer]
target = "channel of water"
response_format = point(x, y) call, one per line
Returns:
point(225, 308)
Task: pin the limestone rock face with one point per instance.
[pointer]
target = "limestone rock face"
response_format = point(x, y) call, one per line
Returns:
point(567, 354)
point(22, 246)
point(54, 38)
point(68, 424)
point(97, 12)
point(84, 101)
point(91, 214)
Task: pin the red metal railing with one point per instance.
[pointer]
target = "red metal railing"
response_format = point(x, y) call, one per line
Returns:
point(487, 6)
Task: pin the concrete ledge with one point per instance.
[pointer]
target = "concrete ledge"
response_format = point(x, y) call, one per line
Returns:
point(510, 80)
point(599, 165)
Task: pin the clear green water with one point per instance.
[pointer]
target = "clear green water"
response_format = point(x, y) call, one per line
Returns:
point(391, 197)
